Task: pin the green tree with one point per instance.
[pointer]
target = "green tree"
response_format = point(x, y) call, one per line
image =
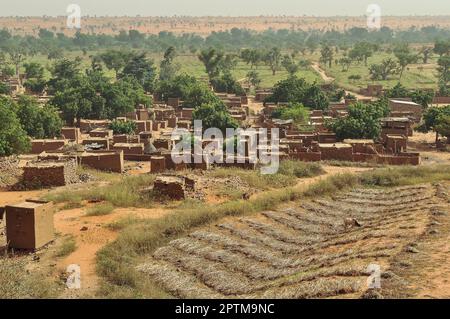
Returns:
point(253, 78)
point(442, 47)
point(405, 57)
point(214, 115)
point(383, 70)
point(326, 55)
point(13, 139)
point(227, 84)
point(435, 119)
point(115, 60)
point(297, 90)
point(289, 64)
point(362, 122)
point(212, 60)
point(273, 59)
point(362, 51)
point(168, 68)
point(142, 69)
point(444, 74)
point(37, 120)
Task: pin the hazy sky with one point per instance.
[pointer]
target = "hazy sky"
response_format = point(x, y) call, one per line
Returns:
point(222, 7)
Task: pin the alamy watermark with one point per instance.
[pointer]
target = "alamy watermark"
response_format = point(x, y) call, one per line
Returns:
point(254, 146)
point(74, 16)
point(373, 17)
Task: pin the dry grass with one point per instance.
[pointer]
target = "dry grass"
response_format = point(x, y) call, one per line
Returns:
point(67, 247)
point(100, 210)
point(116, 262)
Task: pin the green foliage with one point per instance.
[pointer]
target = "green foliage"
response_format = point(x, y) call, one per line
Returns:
point(142, 69)
point(38, 121)
point(214, 115)
point(93, 95)
point(212, 60)
point(273, 59)
point(168, 68)
point(226, 83)
point(13, 139)
point(436, 119)
point(294, 111)
point(421, 97)
point(297, 90)
point(444, 75)
point(362, 122)
point(383, 70)
point(289, 64)
point(122, 127)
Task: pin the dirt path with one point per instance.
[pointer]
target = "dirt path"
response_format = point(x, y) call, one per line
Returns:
point(91, 234)
point(328, 79)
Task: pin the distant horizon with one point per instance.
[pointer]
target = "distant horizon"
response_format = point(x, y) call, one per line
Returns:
point(225, 8)
point(224, 16)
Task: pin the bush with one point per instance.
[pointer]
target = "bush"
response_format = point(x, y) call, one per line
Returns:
point(122, 127)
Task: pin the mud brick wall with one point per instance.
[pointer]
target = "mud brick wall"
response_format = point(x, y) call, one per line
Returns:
point(415, 109)
point(101, 141)
point(58, 174)
point(187, 113)
point(101, 134)
point(403, 159)
point(122, 138)
point(129, 148)
point(141, 126)
point(72, 134)
point(441, 100)
point(363, 157)
point(396, 144)
point(157, 164)
point(172, 189)
point(172, 122)
point(337, 153)
point(327, 138)
point(88, 125)
point(145, 135)
point(307, 156)
point(113, 162)
point(142, 115)
point(174, 102)
point(160, 143)
point(39, 146)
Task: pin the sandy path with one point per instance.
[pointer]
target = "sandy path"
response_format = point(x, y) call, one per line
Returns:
point(91, 239)
point(328, 79)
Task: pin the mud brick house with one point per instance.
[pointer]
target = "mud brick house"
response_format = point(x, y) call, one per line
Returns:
point(39, 146)
point(50, 173)
point(141, 126)
point(396, 126)
point(88, 125)
point(110, 161)
point(396, 143)
point(130, 148)
point(102, 133)
point(96, 143)
point(336, 151)
point(163, 143)
point(372, 90)
point(174, 102)
point(398, 105)
point(142, 114)
point(174, 187)
point(261, 95)
point(157, 164)
point(29, 225)
point(120, 138)
point(326, 137)
point(72, 134)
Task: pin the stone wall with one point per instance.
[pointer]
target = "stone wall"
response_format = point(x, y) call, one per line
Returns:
point(111, 161)
point(50, 174)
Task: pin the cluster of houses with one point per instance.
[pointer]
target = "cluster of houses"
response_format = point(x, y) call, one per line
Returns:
point(94, 144)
